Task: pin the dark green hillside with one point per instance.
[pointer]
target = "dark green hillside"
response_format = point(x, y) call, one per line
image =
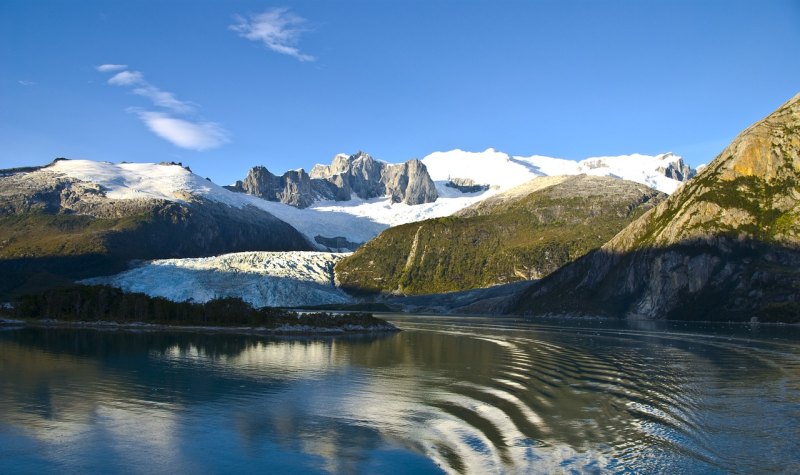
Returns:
point(526, 233)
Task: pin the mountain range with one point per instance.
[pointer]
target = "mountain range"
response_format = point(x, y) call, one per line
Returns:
point(76, 219)
point(357, 174)
point(636, 235)
point(524, 233)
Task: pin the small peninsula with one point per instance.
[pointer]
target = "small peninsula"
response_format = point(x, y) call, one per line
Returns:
point(104, 306)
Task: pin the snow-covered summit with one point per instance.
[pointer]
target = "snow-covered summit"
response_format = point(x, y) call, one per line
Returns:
point(125, 181)
point(504, 171)
point(359, 220)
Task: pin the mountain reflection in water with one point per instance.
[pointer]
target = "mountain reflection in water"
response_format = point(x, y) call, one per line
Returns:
point(449, 394)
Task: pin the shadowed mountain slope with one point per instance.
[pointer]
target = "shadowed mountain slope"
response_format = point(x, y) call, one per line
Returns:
point(726, 246)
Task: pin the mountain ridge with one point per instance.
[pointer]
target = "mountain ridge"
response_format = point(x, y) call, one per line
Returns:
point(358, 174)
point(75, 220)
point(521, 234)
point(727, 245)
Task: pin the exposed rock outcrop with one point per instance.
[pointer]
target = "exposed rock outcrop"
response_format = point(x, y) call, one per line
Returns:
point(678, 170)
point(726, 246)
point(358, 174)
point(292, 188)
point(337, 244)
point(409, 183)
point(465, 185)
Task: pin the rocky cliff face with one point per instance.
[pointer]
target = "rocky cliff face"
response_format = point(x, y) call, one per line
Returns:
point(54, 228)
point(293, 187)
point(525, 233)
point(466, 185)
point(358, 174)
point(678, 170)
point(725, 246)
point(409, 183)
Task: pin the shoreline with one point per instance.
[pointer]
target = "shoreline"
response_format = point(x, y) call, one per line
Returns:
point(574, 317)
point(283, 330)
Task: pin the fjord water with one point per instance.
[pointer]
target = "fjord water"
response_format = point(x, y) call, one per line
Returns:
point(453, 394)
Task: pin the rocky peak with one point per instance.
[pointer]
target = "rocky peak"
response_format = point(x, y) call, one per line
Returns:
point(409, 183)
point(768, 150)
point(676, 169)
point(365, 176)
point(359, 173)
point(465, 185)
point(293, 187)
point(340, 164)
point(751, 190)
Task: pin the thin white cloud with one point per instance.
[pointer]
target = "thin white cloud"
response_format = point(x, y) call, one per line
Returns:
point(185, 133)
point(23, 82)
point(110, 68)
point(163, 99)
point(127, 78)
point(160, 98)
point(278, 29)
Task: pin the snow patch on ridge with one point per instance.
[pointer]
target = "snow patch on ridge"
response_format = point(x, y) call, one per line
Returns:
point(125, 181)
point(501, 170)
point(263, 279)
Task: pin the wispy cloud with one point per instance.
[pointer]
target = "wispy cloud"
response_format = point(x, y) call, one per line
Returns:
point(185, 132)
point(126, 78)
point(278, 29)
point(164, 99)
point(110, 68)
point(157, 96)
point(22, 82)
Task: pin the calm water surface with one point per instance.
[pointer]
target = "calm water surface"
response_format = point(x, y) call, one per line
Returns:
point(471, 395)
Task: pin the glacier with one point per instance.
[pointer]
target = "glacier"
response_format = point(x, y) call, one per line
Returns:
point(263, 279)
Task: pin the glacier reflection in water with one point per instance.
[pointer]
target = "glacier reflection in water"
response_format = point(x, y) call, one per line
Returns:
point(447, 394)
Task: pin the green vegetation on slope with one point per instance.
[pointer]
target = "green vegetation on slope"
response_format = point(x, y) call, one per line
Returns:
point(725, 247)
point(39, 250)
point(39, 235)
point(526, 237)
point(754, 201)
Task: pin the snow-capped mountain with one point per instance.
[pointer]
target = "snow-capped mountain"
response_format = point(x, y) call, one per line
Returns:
point(461, 179)
point(264, 279)
point(343, 225)
point(665, 172)
point(130, 181)
point(111, 187)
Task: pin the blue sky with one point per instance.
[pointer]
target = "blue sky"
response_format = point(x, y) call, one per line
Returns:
point(226, 85)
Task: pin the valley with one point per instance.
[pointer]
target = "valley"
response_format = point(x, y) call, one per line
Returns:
point(393, 237)
point(599, 237)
